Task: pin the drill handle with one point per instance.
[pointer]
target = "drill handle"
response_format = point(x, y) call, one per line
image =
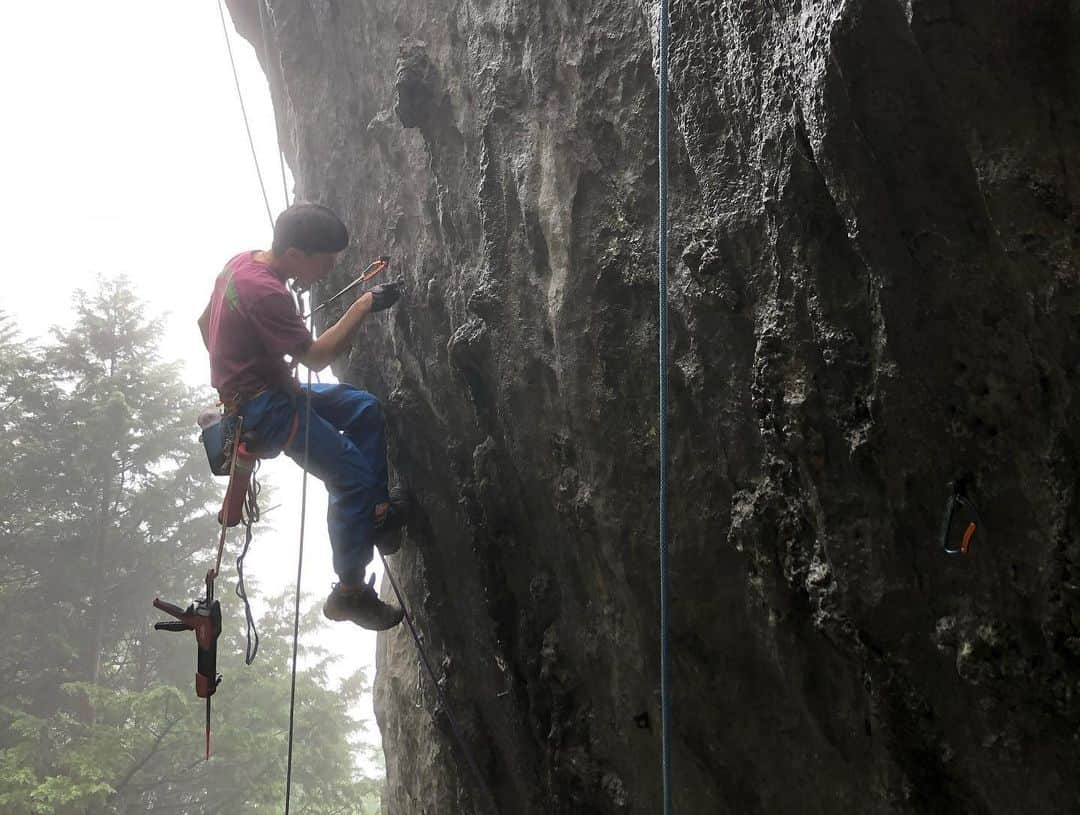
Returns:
point(174, 611)
point(171, 626)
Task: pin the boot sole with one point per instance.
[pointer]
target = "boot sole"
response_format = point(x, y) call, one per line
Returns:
point(347, 618)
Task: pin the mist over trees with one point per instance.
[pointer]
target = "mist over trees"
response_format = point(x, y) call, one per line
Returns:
point(106, 502)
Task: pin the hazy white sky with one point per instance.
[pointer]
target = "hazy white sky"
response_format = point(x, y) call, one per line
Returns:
point(124, 151)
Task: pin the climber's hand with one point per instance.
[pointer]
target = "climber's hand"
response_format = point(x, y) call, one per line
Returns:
point(385, 295)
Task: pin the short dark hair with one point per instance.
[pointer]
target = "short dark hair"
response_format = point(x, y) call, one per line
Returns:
point(310, 228)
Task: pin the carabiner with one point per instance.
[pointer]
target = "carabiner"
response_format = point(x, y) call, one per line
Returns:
point(958, 498)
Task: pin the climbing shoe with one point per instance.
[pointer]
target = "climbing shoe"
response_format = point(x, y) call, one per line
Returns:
point(361, 606)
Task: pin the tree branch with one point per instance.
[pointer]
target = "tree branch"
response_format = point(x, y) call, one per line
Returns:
point(142, 762)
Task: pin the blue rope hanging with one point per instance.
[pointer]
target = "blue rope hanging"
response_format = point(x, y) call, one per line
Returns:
point(665, 645)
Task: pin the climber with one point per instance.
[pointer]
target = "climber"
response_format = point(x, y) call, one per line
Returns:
point(249, 325)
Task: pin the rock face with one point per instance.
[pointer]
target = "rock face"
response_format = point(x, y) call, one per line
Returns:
point(875, 293)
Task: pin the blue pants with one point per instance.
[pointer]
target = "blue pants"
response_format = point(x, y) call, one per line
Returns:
point(347, 452)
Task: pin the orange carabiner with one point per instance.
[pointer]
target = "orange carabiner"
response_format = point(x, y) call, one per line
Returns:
point(374, 268)
point(968, 534)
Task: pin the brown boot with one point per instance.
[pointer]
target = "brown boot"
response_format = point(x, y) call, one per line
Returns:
point(397, 513)
point(361, 606)
point(388, 525)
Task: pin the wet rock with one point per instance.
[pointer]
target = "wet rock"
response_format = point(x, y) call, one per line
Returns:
point(417, 87)
point(875, 285)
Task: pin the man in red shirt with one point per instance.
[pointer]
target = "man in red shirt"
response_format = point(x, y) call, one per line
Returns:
point(249, 325)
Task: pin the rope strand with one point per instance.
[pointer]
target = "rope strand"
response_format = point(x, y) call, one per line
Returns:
point(665, 622)
point(307, 438)
point(251, 516)
point(299, 574)
point(264, 12)
point(243, 111)
point(489, 800)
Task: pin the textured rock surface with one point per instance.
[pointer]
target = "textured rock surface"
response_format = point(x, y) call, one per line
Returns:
point(875, 288)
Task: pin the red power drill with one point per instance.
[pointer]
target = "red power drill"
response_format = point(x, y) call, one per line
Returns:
point(204, 618)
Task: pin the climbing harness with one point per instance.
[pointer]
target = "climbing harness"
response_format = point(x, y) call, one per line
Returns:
point(959, 504)
point(665, 644)
point(218, 432)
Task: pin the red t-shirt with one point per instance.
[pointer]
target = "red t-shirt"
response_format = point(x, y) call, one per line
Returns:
point(253, 324)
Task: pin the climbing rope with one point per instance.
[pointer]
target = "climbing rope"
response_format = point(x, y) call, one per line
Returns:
point(251, 516)
point(299, 574)
point(303, 483)
point(665, 645)
point(270, 77)
point(418, 638)
point(243, 111)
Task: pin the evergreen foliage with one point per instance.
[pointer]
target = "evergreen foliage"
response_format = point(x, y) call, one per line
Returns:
point(105, 501)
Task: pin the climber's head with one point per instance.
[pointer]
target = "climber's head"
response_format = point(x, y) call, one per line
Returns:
point(307, 240)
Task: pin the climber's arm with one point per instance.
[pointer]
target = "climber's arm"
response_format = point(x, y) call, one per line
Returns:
point(334, 340)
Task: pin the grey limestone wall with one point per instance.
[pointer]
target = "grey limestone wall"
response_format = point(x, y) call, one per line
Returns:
point(875, 292)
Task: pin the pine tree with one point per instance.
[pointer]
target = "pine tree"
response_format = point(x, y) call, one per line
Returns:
point(105, 501)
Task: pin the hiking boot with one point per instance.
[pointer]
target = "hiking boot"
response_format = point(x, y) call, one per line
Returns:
point(361, 606)
point(395, 517)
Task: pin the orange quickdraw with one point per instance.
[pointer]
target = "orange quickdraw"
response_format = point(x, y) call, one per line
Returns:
point(370, 271)
point(968, 534)
point(957, 498)
point(374, 268)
